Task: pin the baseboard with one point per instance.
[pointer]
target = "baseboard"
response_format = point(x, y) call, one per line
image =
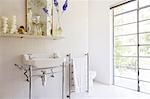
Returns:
point(102, 83)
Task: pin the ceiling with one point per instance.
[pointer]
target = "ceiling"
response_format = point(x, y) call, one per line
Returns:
point(109, 2)
point(113, 2)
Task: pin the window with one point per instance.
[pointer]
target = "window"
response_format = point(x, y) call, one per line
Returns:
point(131, 29)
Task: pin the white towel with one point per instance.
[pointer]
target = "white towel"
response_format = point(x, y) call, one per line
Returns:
point(79, 75)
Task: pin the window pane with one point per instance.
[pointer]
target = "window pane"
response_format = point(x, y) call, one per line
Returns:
point(144, 63)
point(129, 72)
point(126, 7)
point(126, 29)
point(125, 61)
point(144, 26)
point(144, 75)
point(144, 14)
point(126, 51)
point(145, 38)
point(125, 18)
point(132, 84)
point(144, 50)
point(126, 40)
point(145, 87)
point(144, 3)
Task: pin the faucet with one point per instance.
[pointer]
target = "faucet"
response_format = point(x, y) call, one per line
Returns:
point(30, 56)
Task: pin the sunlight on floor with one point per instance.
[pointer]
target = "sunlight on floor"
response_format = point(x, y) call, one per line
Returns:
point(102, 91)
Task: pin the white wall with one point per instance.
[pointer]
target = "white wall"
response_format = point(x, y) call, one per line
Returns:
point(99, 40)
point(77, 22)
point(12, 81)
point(12, 7)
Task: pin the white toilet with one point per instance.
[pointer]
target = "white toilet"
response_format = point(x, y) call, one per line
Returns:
point(92, 75)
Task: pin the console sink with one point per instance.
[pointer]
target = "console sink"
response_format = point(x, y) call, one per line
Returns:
point(41, 60)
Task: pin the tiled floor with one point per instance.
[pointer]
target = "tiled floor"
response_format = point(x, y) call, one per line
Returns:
point(101, 91)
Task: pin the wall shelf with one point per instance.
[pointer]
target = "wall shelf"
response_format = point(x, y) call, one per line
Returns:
point(30, 36)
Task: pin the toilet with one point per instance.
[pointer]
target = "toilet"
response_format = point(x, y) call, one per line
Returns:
point(92, 75)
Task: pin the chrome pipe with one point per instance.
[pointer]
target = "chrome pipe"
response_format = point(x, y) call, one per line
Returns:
point(63, 79)
point(88, 71)
point(30, 82)
point(36, 69)
point(47, 74)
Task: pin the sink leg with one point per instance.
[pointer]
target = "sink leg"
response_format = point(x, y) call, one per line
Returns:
point(30, 82)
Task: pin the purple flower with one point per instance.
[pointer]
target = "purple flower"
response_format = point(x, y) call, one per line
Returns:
point(56, 3)
point(65, 5)
point(45, 10)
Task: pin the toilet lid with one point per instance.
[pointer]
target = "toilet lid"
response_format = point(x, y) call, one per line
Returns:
point(92, 74)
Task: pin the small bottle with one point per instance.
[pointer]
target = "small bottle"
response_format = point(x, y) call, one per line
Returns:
point(29, 21)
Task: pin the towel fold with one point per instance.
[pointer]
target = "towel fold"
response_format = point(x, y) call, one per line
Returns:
point(79, 75)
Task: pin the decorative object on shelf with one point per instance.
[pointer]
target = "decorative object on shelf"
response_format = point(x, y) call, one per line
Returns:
point(33, 13)
point(21, 30)
point(4, 25)
point(56, 30)
point(13, 26)
point(29, 21)
point(64, 7)
point(50, 12)
point(36, 26)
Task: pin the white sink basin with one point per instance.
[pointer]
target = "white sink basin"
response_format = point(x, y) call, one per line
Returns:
point(41, 60)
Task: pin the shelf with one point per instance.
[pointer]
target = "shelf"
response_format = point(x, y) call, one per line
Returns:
point(30, 36)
